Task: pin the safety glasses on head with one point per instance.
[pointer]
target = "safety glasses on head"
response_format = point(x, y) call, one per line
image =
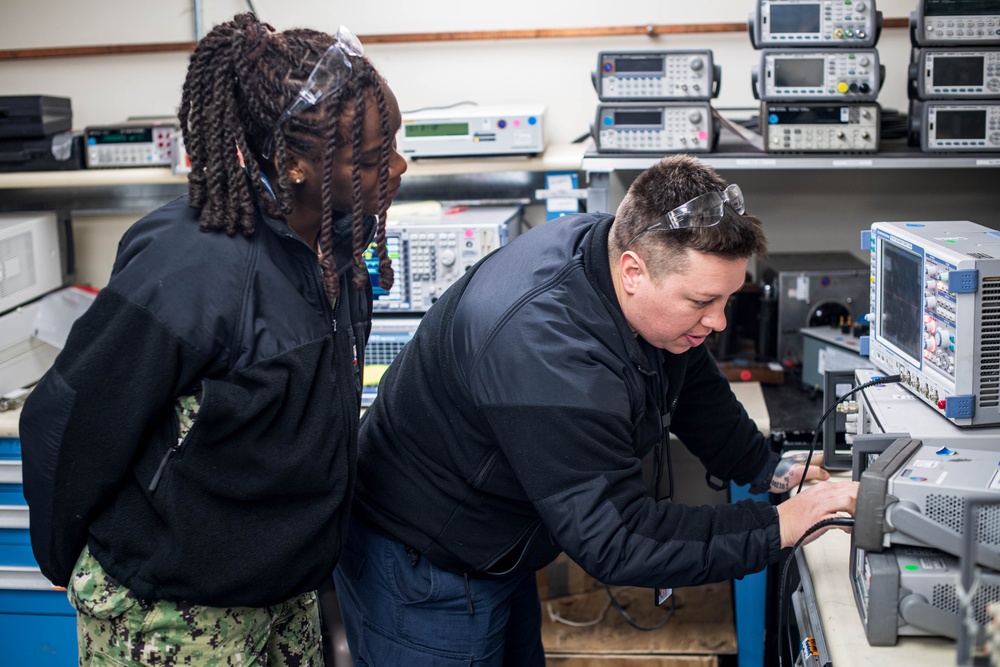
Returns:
point(703, 211)
point(331, 72)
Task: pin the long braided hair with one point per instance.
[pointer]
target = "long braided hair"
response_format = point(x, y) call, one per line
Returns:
point(241, 77)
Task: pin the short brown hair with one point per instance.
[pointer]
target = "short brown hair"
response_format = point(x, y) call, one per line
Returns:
point(663, 187)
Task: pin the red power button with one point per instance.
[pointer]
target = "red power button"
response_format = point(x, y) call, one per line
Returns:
point(941, 404)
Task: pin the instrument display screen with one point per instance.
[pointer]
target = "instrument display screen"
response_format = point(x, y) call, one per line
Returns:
point(635, 65)
point(798, 73)
point(638, 118)
point(394, 248)
point(959, 7)
point(808, 115)
point(956, 124)
point(959, 71)
point(901, 306)
point(795, 18)
point(137, 135)
point(421, 130)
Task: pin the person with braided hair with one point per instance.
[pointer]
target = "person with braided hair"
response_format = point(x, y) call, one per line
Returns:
point(190, 457)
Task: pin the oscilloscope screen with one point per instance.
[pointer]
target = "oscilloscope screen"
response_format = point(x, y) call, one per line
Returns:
point(901, 299)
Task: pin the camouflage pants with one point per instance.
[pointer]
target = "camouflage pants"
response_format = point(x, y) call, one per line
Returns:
point(117, 629)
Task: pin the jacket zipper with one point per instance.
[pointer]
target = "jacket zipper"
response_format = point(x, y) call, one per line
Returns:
point(163, 463)
point(176, 447)
point(487, 467)
point(318, 275)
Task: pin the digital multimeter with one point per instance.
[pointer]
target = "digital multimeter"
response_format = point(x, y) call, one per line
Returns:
point(955, 126)
point(955, 22)
point(955, 73)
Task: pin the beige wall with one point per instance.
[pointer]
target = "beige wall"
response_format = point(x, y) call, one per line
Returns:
point(556, 72)
point(803, 210)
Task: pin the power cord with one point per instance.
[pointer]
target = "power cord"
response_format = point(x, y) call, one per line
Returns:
point(782, 607)
point(888, 379)
point(628, 619)
point(556, 617)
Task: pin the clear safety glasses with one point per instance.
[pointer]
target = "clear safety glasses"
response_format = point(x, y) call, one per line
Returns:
point(331, 72)
point(703, 211)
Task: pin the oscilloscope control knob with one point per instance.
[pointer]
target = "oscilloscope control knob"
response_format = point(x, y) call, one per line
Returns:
point(448, 257)
point(695, 117)
point(697, 64)
point(863, 61)
point(859, 6)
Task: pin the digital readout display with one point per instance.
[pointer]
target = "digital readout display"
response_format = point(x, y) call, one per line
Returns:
point(422, 130)
point(962, 124)
point(638, 65)
point(959, 7)
point(808, 115)
point(638, 118)
point(901, 289)
point(798, 73)
point(138, 135)
point(394, 248)
point(959, 71)
point(795, 18)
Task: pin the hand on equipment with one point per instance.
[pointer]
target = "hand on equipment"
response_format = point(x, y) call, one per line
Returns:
point(788, 472)
point(818, 502)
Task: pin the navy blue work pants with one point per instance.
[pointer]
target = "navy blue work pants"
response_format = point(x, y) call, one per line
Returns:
point(402, 611)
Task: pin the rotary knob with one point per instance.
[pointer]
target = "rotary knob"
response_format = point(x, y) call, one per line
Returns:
point(695, 117)
point(447, 257)
point(697, 64)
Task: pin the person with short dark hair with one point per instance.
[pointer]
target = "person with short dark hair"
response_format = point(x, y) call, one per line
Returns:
point(514, 425)
point(189, 459)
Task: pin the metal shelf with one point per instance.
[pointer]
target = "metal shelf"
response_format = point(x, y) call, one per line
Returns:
point(483, 180)
point(727, 157)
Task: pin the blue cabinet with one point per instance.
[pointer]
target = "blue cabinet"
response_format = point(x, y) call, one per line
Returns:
point(751, 604)
point(37, 622)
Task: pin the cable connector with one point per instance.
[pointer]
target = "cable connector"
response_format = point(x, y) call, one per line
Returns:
point(847, 407)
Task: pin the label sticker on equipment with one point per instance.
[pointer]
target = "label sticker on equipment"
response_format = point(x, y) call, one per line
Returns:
point(921, 463)
point(801, 288)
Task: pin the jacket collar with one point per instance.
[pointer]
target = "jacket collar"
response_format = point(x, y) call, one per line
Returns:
point(342, 235)
point(598, 268)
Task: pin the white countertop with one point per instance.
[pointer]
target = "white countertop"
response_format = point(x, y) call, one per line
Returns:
point(828, 561)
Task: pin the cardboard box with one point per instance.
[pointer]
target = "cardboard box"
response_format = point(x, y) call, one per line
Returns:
point(701, 628)
point(564, 577)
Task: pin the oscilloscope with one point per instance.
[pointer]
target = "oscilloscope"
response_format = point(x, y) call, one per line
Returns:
point(935, 295)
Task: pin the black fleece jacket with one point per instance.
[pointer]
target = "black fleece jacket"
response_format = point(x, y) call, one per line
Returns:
point(249, 510)
point(513, 425)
